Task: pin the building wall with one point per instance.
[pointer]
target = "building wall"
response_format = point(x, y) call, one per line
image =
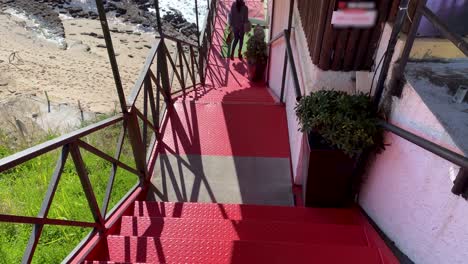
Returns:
point(407, 189)
point(311, 78)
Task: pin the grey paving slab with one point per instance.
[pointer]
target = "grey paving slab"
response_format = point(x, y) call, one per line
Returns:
point(221, 179)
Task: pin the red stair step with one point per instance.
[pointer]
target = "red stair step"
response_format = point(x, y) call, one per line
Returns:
point(152, 250)
point(108, 262)
point(245, 130)
point(253, 230)
point(244, 212)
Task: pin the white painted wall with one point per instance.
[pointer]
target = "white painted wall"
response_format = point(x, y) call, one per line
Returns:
point(276, 57)
point(311, 78)
point(407, 190)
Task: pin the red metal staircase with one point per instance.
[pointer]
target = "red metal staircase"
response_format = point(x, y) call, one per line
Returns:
point(158, 232)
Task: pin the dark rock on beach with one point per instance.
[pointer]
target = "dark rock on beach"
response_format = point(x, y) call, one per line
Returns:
point(135, 12)
point(41, 11)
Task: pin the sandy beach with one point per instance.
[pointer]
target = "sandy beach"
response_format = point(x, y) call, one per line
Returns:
point(31, 65)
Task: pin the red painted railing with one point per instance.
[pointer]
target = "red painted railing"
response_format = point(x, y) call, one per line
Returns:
point(146, 105)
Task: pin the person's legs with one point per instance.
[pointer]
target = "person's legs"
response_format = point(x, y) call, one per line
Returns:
point(234, 43)
point(241, 43)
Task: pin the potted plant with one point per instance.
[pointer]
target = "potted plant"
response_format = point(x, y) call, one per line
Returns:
point(256, 54)
point(340, 127)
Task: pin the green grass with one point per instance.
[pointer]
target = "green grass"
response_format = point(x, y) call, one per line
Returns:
point(23, 188)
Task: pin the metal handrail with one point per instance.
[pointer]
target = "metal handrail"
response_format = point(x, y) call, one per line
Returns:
point(194, 45)
point(421, 10)
point(276, 37)
point(456, 39)
point(143, 73)
point(461, 182)
point(442, 152)
point(71, 143)
point(297, 87)
point(290, 56)
point(35, 151)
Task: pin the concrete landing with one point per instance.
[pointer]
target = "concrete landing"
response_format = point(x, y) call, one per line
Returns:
point(225, 142)
point(222, 179)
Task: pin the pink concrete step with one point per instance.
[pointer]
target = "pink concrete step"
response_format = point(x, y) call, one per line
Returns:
point(247, 212)
point(248, 230)
point(153, 250)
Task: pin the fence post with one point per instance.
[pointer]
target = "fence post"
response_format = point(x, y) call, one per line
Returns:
point(287, 38)
point(111, 53)
point(86, 184)
point(163, 70)
point(201, 47)
point(158, 17)
point(37, 228)
point(136, 142)
point(180, 51)
point(198, 26)
point(410, 40)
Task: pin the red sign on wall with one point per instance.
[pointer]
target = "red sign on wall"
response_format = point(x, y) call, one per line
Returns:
point(355, 14)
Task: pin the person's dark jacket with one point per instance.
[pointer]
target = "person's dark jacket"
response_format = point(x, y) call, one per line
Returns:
point(238, 18)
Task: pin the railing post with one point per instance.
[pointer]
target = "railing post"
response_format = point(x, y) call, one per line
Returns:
point(198, 26)
point(136, 142)
point(201, 64)
point(149, 89)
point(181, 65)
point(294, 76)
point(397, 26)
point(460, 186)
point(201, 47)
point(86, 184)
point(37, 228)
point(288, 38)
point(145, 114)
point(410, 39)
point(158, 17)
point(456, 39)
point(283, 80)
point(163, 70)
point(110, 182)
point(111, 53)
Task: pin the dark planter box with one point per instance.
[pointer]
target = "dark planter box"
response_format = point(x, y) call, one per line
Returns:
point(256, 71)
point(329, 180)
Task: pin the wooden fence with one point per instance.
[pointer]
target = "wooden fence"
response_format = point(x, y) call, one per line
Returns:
point(343, 49)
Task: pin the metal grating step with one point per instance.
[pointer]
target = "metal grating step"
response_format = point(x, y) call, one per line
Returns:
point(248, 230)
point(246, 212)
point(152, 250)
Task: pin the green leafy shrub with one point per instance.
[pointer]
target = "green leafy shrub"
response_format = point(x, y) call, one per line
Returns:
point(346, 122)
point(257, 47)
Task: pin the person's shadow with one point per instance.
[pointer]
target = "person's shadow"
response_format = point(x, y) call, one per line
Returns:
point(240, 67)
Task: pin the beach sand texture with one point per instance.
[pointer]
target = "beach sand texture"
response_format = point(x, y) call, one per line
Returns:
point(31, 65)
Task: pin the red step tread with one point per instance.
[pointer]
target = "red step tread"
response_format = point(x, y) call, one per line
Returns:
point(243, 212)
point(108, 262)
point(140, 249)
point(246, 130)
point(252, 230)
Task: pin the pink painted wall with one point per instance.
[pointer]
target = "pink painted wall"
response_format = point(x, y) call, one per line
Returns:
point(407, 190)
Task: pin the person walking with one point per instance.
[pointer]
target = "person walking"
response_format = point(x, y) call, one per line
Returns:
point(238, 18)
